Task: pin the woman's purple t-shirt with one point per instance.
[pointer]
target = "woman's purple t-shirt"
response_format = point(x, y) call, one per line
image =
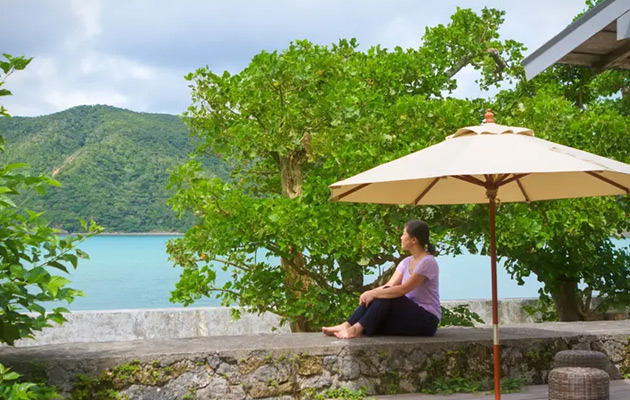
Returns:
point(427, 294)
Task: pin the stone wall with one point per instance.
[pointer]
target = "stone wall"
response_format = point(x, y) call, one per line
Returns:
point(302, 365)
point(165, 323)
point(126, 325)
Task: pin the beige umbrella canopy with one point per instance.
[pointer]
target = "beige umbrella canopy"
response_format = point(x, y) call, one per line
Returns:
point(524, 167)
point(485, 164)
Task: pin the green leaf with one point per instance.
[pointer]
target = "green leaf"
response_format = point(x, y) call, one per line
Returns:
point(37, 275)
point(11, 376)
point(58, 318)
point(13, 166)
point(9, 333)
point(55, 283)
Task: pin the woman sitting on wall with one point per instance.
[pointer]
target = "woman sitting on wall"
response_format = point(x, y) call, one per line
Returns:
point(409, 304)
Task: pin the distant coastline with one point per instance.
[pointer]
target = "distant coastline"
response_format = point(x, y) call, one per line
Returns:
point(141, 234)
point(128, 234)
point(623, 234)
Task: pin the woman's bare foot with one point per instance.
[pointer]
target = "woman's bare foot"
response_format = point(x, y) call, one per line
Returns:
point(354, 331)
point(331, 330)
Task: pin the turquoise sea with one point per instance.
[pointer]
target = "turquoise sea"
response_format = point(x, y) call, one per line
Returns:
point(130, 272)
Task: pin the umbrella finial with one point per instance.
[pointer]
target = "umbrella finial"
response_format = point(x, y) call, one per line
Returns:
point(489, 117)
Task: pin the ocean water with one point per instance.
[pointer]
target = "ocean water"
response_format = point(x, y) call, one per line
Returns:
point(132, 272)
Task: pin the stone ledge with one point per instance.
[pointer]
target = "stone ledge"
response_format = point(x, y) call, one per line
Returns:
point(299, 364)
point(150, 324)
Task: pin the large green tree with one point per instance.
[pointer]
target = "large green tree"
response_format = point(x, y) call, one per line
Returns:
point(295, 121)
point(571, 245)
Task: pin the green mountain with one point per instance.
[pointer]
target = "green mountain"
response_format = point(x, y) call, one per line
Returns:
point(113, 164)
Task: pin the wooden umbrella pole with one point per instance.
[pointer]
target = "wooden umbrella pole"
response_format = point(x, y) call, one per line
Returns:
point(492, 193)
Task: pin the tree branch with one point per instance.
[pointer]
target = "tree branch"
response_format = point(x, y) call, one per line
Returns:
point(501, 64)
point(465, 60)
point(242, 267)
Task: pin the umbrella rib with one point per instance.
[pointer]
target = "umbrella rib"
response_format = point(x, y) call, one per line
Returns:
point(425, 191)
point(349, 192)
point(515, 177)
point(520, 186)
point(470, 179)
point(501, 178)
point(609, 181)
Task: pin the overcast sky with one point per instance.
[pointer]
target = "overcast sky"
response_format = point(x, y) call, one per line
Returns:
point(134, 53)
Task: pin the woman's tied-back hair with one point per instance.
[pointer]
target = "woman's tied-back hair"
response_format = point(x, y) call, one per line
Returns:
point(420, 230)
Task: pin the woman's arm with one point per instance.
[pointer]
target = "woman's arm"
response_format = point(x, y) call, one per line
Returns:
point(394, 291)
point(396, 279)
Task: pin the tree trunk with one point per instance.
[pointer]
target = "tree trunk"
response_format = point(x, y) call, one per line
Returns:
point(294, 282)
point(291, 174)
point(568, 305)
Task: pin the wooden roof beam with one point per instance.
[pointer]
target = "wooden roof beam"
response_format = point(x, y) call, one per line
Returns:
point(609, 60)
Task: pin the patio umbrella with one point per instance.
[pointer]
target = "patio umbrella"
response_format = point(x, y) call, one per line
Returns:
point(486, 164)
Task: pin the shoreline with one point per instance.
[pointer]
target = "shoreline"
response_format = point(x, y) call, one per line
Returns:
point(141, 234)
point(166, 233)
point(127, 234)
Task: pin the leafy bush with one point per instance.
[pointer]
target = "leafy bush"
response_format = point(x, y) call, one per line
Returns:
point(459, 316)
point(29, 251)
point(13, 388)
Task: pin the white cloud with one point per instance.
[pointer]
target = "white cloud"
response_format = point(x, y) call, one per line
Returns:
point(63, 99)
point(96, 64)
point(88, 13)
point(134, 53)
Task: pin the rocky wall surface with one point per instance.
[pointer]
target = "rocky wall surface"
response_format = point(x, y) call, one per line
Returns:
point(302, 365)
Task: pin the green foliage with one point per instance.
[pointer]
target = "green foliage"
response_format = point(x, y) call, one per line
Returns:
point(511, 384)
point(460, 315)
point(295, 121)
point(107, 385)
point(87, 388)
point(568, 242)
point(113, 165)
point(31, 252)
point(465, 385)
point(12, 387)
point(292, 123)
point(543, 308)
point(342, 393)
point(453, 385)
point(9, 65)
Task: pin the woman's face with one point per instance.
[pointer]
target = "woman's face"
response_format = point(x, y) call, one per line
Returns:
point(407, 241)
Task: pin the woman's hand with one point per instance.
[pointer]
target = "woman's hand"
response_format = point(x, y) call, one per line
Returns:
point(367, 297)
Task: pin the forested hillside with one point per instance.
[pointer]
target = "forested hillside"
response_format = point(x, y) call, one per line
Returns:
point(113, 164)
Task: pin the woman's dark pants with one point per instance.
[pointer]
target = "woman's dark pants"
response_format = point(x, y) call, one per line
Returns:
point(399, 316)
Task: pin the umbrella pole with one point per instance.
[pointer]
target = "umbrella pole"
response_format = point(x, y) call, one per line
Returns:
point(495, 313)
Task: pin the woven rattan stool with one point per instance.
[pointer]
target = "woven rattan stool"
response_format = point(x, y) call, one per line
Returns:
point(581, 358)
point(576, 383)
